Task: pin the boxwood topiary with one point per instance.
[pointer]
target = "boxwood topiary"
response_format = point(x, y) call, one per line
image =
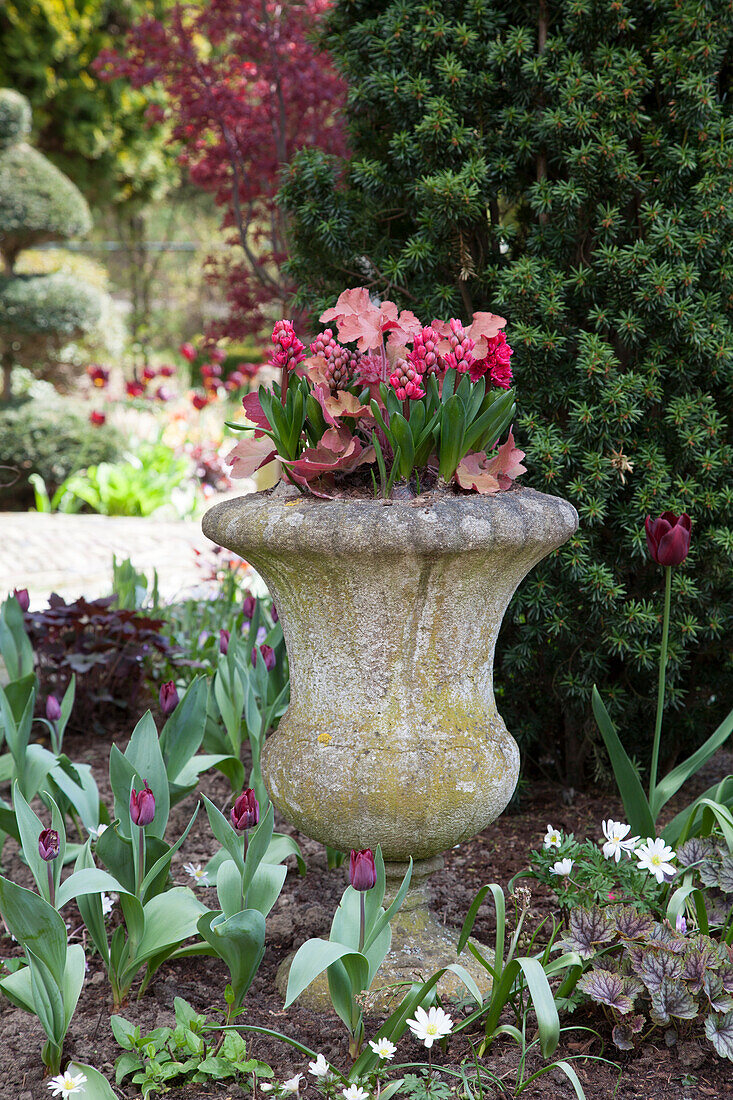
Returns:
point(38, 203)
point(51, 438)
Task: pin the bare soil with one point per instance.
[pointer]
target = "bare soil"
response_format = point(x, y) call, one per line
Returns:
point(685, 1071)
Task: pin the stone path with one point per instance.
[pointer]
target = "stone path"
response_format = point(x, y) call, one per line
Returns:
point(72, 554)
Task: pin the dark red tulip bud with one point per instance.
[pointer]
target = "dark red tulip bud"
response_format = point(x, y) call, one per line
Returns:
point(362, 872)
point(274, 615)
point(245, 811)
point(168, 698)
point(142, 806)
point(249, 606)
point(21, 595)
point(48, 845)
point(53, 709)
point(224, 641)
point(268, 656)
point(668, 538)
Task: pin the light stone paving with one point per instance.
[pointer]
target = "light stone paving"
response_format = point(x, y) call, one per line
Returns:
point(72, 554)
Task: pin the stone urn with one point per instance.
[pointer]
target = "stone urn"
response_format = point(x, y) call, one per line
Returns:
point(390, 612)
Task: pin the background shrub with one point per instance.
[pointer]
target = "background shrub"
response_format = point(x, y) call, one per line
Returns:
point(569, 167)
point(51, 437)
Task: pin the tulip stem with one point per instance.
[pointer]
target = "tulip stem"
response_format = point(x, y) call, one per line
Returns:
point(660, 692)
point(140, 862)
point(51, 883)
point(362, 919)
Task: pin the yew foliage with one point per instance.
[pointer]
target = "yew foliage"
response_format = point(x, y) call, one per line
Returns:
point(245, 89)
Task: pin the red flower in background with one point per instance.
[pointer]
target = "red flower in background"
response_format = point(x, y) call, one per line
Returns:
point(188, 351)
point(97, 418)
point(98, 375)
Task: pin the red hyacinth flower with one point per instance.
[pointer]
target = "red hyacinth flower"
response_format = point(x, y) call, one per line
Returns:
point(245, 811)
point(142, 806)
point(362, 871)
point(48, 845)
point(668, 538)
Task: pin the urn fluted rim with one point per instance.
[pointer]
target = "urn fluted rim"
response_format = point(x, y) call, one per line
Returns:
point(292, 522)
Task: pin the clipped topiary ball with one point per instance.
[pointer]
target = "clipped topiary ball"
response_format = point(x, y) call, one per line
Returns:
point(37, 202)
point(56, 307)
point(15, 117)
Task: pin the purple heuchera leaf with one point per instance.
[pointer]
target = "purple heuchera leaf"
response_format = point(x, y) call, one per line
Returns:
point(719, 1030)
point(631, 924)
point(694, 850)
point(589, 928)
point(720, 1001)
point(695, 966)
point(623, 1033)
point(607, 988)
point(654, 966)
point(672, 999)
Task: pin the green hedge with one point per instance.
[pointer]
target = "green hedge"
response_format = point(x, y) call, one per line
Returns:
point(37, 202)
point(15, 117)
point(57, 305)
point(52, 438)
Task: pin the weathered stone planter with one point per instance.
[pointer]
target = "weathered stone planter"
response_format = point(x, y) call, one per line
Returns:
point(390, 612)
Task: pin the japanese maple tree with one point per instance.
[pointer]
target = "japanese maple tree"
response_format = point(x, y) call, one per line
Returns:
point(245, 89)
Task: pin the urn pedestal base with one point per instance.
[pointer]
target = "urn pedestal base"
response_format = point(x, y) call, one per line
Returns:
point(421, 945)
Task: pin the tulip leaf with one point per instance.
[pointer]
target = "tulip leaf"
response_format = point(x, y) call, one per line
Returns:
point(162, 865)
point(265, 887)
point(311, 959)
point(259, 841)
point(144, 755)
point(89, 880)
point(638, 812)
point(96, 1086)
point(76, 782)
point(227, 836)
point(15, 645)
point(229, 888)
point(30, 828)
point(183, 732)
point(169, 919)
point(672, 781)
point(240, 942)
point(35, 924)
point(48, 999)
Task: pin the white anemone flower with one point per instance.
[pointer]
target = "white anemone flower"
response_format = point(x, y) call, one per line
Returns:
point(654, 857)
point(383, 1048)
point(293, 1085)
point(66, 1085)
point(618, 839)
point(320, 1068)
point(107, 901)
point(197, 873)
point(355, 1093)
point(563, 867)
point(431, 1025)
point(553, 838)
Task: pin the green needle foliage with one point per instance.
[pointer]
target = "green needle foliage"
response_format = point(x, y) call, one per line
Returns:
point(568, 166)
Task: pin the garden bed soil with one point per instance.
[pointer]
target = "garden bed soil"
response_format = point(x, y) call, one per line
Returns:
point(656, 1072)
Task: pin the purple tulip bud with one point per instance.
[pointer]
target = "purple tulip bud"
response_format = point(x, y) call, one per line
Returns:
point(21, 595)
point(268, 656)
point(223, 641)
point(362, 871)
point(168, 698)
point(274, 615)
point(48, 845)
point(245, 811)
point(249, 606)
point(668, 538)
point(53, 709)
point(142, 806)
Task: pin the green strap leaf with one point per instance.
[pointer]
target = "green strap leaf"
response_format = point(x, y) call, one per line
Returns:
point(638, 811)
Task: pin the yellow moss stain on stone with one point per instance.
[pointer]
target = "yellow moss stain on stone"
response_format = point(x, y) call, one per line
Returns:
point(324, 738)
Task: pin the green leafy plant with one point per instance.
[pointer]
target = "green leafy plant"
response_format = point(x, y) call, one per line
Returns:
point(249, 878)
point(647, 974)
point(518, 980)
point(668, 540)
point(183, 1054)
point(157, 920)
point(359, 940)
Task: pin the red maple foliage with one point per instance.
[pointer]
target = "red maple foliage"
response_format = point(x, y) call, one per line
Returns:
point(245, 89)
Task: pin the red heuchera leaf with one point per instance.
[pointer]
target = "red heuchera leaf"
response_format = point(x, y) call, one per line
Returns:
point(490, 475)
point(251, 454)
point(360, 320)
point(255, 414)
point(338, 451)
